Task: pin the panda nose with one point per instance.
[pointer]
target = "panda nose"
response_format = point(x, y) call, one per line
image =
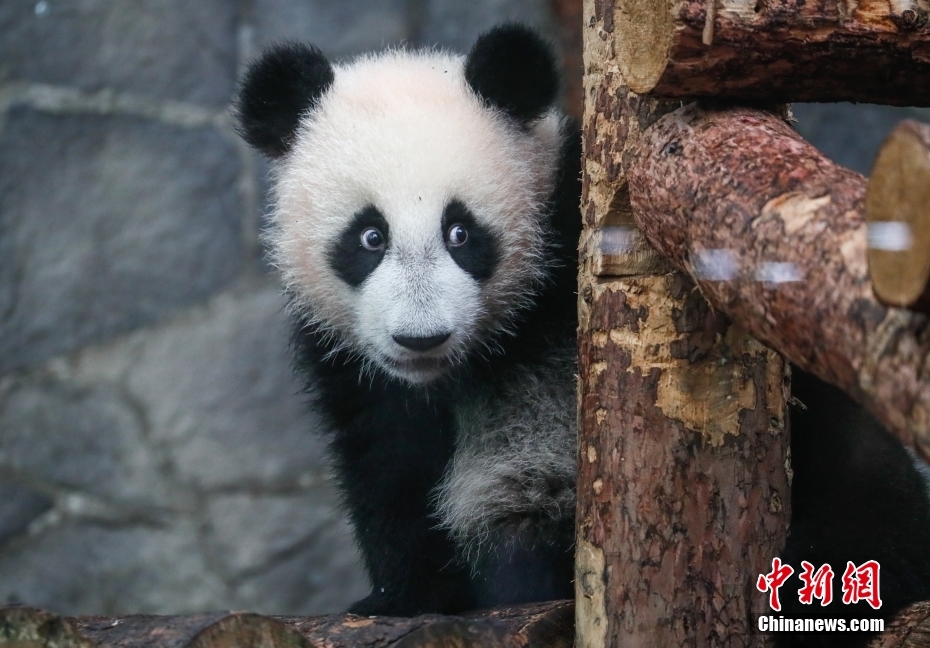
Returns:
point(421, 343)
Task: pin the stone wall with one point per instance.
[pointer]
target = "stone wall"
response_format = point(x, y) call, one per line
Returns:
point(155, 451)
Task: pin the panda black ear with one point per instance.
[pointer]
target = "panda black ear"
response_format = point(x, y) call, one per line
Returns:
point(512, 68)
point(277, 89)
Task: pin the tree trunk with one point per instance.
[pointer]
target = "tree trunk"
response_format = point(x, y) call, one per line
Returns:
point(773, 233)
point(683, 492)
point(775, 50)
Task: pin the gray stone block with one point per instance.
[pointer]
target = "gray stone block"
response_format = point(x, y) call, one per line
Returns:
point(75, 438)
point(19, 505)
point(249, 533)
point(321, 577)
point(88, 569)
point(173, 49)
point(222, 399)
point(107, 223)
point(851, 134)
point(455, 25)
point(340, 29)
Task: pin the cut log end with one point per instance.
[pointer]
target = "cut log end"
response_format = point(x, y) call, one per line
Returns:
point(644, 41)
point(897, 206)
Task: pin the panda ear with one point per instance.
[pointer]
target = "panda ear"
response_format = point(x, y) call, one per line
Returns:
point(277, 89)
point(512, 68)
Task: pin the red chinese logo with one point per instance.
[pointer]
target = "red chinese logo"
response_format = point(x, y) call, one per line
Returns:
point(773, 580)
point(861, 584)
point(816, 585)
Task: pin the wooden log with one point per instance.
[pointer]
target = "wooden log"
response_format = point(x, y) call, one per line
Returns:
point(683, 493)
point(897, 207)
point(568, 18)
point(876, 51)
point(23, 627)
point(773, 233)
point(542, 625)
point(910, 628)
point(545, 625)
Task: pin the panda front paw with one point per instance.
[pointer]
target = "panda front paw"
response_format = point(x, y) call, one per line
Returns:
point(376, 604)
point(447, 596)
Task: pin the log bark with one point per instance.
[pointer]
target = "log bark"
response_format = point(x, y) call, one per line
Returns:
point(543, 625)
point(876, 51)
point(683, 492)
point(897, 206)
point(910, 628)
point(773, 232)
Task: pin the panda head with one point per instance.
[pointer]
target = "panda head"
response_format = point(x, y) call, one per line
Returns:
point(410, 192)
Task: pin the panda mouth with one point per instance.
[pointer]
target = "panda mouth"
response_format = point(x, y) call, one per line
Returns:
point(421, 364)
point(419, 370)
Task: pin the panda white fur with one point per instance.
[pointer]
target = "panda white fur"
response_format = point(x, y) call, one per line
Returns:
point(426, 222)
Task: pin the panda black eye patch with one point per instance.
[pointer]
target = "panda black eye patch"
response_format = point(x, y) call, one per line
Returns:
point(349, 257)
point(477, 255)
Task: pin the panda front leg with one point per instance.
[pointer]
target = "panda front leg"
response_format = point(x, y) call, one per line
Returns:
point(388, 460)
point(516, 531)
point(412, 567)
point(523, 560)
point(508, 497)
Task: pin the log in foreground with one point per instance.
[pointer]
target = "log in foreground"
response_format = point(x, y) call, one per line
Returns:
point(765, 51)
point(542, 625)
point(897, 206)
point(910, 628)
point(774, 234)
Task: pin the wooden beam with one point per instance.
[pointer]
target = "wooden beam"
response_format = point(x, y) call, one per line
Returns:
point(683, 493)
point(775, 51)
point(774, 235)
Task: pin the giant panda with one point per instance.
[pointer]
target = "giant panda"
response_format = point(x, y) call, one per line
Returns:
point(425, 222)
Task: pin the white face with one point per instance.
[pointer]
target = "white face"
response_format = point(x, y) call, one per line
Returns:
point(408, 218)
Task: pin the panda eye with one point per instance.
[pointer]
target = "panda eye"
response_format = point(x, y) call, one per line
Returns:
point(457, 235)
point(372, 239)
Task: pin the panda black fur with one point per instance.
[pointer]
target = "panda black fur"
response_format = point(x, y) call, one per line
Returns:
point(426, 224)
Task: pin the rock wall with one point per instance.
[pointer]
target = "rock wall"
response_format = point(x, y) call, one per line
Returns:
point(155, 452)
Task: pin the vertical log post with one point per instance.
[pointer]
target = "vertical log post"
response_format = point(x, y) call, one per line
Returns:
point(683, 487)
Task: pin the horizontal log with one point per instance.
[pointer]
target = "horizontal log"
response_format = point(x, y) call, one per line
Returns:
point(910, 628)
point(543, 625)
point(897, 205)
point(875, 51)
point(773, 233)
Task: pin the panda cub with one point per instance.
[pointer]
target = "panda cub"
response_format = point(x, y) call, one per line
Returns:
point(426, 222)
